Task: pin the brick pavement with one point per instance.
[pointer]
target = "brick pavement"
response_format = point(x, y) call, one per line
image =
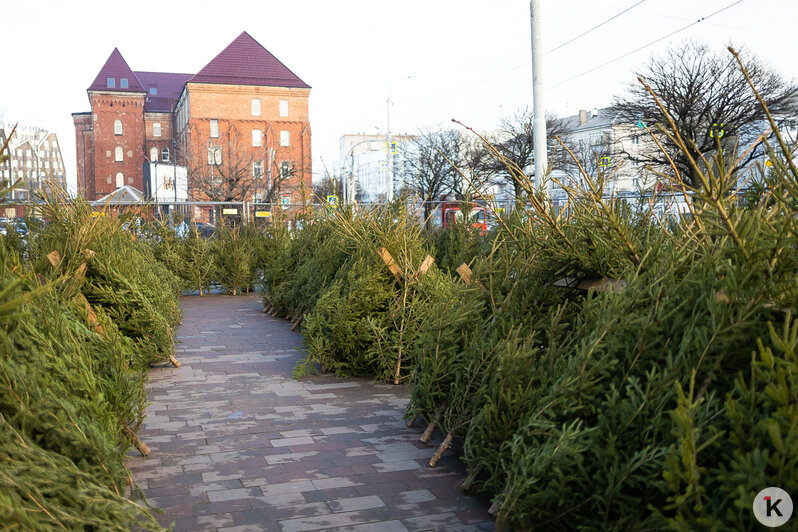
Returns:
point(239, 445)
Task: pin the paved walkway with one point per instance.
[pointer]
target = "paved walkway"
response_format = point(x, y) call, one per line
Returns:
point(238, 444)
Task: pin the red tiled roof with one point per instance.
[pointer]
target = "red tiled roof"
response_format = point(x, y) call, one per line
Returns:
point(117, 68)
point(168, 87)
point(246, 62)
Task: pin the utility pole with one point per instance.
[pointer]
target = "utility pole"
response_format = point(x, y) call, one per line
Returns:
point(388, 149)
point(538, 109)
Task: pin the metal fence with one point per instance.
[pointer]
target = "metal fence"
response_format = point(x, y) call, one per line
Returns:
point(214, 213)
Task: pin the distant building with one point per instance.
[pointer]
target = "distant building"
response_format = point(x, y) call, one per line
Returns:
point(239, 126)
point(363, 159)
point(35, 158)
point(604, 143)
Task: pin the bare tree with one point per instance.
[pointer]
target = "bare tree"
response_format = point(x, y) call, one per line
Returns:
point(710, 102)
point(229, 168)
point(430, 162)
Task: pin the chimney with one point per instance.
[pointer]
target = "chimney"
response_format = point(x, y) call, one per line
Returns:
point(582, 117)
point(594, 113)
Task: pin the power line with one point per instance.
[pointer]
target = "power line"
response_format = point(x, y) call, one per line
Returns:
point(627, 54)
point(526, 63)
point(566, 43)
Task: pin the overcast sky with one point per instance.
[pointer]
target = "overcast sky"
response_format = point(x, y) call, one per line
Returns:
point(442, 59)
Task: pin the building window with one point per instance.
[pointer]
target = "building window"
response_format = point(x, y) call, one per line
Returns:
point(165, 154)
point(156, 129)
point(635, 139)
point(257, 169)
point(215, 155)
point(153, 91)
point(256, 137)
point(283, 107)
point(120, 180)
point(153, 154)
point(122, 83)
point(285, 138)
point(117, 127)
point(110, 82)
point(255, 107)
point(285, 170)
point(214, 128)
point(118, 154)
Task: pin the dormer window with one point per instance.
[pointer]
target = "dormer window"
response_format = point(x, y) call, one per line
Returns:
point(110, 82)
point(122, 83)
point(153, 91)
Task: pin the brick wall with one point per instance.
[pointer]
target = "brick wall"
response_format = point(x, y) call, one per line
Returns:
point(107, 107)
point(231, 106)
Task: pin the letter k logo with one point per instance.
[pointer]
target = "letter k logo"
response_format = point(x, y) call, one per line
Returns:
point(772, 506)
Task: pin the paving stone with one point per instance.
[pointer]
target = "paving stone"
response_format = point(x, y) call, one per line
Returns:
point(238, 444)
point(356, 503)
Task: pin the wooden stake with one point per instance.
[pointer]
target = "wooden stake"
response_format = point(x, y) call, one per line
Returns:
point(388, 260)
point(412, 421)
point(80, 273)
point(268, 309)
point(137, 443)
point(465, 273)
point(494, 508)
point(447, 442)
point(431, 427)
point(54, 258)
point(296, 323)
point(174, 361)
point(426, 265)
point(92, 316)
point(273, 313)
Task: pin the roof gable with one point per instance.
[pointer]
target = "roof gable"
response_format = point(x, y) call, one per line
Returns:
point(116, 68)
point(246, 62)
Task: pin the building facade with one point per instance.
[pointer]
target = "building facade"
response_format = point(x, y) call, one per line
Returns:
point(34, 157)
point(363, 163)
point(239, 127)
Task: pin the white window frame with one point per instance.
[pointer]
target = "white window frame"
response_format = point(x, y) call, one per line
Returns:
point(257, 137)
point(154, 154)
point(120, 178)
point(255, 107)
point(156, 129)
point(214, 128)
point(119, 154)
point(285, 137)
point(165, 155)
point(257, 169)
point(283, 108)
point(117, 127)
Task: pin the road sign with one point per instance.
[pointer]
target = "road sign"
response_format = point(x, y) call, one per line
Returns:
point(97, 214)
point(263, 214)
point(392, 147)
point(286, 200)
point(229, 211)
point(332, 200)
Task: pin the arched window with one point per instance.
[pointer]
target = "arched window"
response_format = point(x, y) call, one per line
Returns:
point(119, 154)
point(165, 154)
point(120, 180)
point(153, 154)
point(117, 127)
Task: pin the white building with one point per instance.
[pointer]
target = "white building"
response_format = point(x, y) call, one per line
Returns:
point(604, 143)
point(35, 158)
point(363, 163)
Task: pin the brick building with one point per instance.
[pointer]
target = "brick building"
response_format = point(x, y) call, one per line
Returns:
point(240, 127)
point(35, 158)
